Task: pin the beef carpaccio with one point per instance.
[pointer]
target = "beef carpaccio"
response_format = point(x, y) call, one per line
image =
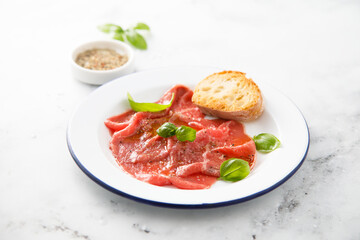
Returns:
point(167, 161)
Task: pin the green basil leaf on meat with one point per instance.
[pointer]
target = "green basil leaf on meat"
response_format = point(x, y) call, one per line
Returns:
point(184, 133)
point(234, 170)
point(148, 107)
point(166, 130)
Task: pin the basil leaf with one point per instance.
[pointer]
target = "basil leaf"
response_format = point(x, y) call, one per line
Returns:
point(107, 28)
point(142, 26)
point(184, 133)
point(234, 170)
point(119, 30)
point(166, 130)
point(148, 107)
point(119, 36)
point(136, 39)
point(266, 142)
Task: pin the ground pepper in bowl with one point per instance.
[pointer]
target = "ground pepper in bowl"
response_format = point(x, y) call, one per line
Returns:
point(101, 59)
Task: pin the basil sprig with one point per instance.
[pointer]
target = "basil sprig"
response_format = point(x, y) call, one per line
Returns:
point(234, 170)
point(182, 133)
point(148, 107)
point(130, 35)
point(266, 142)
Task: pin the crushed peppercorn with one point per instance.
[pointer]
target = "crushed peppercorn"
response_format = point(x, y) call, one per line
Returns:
point(101, 59)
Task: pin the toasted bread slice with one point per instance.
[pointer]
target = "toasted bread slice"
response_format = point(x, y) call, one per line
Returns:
point(229, 95)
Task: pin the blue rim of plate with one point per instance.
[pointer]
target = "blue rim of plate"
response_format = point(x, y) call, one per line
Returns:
point(188, 206)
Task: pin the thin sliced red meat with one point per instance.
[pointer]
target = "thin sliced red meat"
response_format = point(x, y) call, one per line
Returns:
point(164, 161)
point(189, 169)
point(158, 180)
point(194, 182)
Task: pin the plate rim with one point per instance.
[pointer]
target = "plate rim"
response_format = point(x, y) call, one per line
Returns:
point(185, 205)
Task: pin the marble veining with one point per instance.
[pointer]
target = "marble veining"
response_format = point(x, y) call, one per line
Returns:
point(66, 230)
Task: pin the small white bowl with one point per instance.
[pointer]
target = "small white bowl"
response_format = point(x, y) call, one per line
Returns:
point(98, 77)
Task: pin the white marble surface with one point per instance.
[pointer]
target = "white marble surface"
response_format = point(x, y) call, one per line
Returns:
point(310, 50)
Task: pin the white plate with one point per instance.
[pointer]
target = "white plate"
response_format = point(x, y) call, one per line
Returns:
point(88, 140)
